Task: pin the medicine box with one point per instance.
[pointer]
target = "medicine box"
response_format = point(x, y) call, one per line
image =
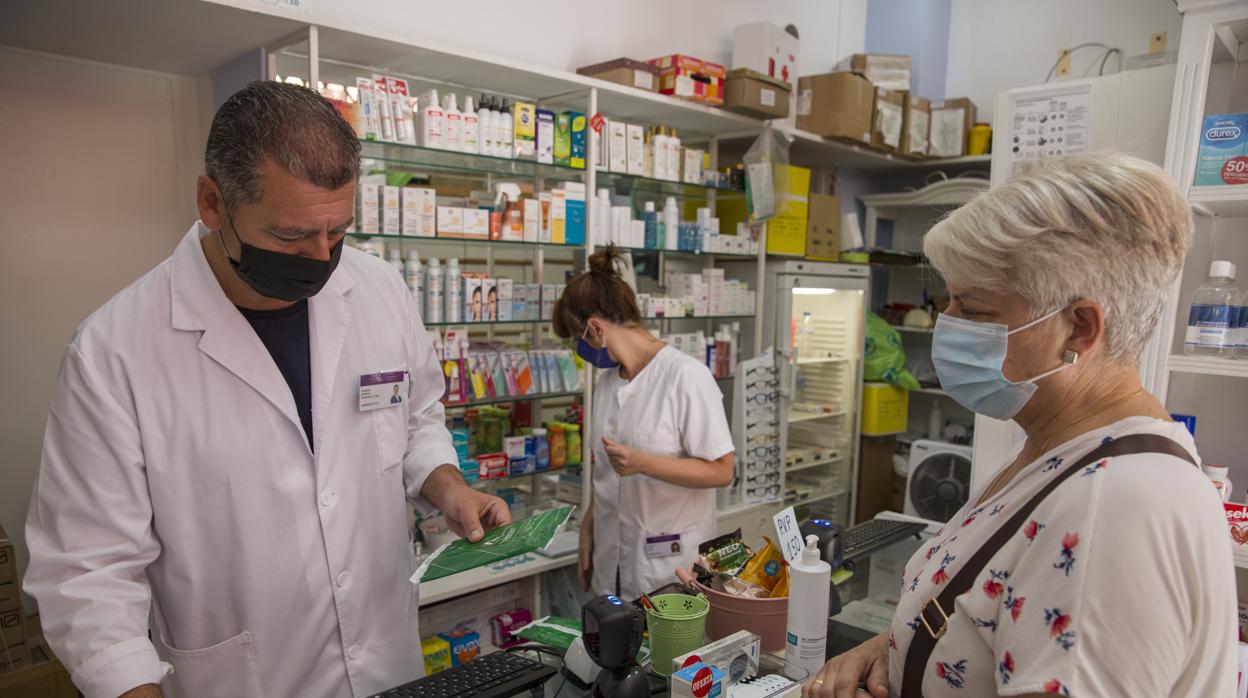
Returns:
point(545, 136)
point(543, 220)
point(505, 300)
point(563, 139)
point(370, 204)
point(476, 223)
point(489, 298)
point(419, 212)
point(474, 300)
point(617, 147)
point(699, 681)
point(450, 222)
point(635, 149)
point(1223, 143)
point(390, 216)
point(574, 228)
point(577, 145)
point(437, 654)
point(558, 216)
point(524, 121)
point(549, 295)
point(532, 219)
point(736, 655)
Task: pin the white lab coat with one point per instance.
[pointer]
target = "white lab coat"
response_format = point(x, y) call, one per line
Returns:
point(673, 408)
point(175, 471)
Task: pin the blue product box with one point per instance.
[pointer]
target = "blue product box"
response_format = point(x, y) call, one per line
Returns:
point(1222, 139)
point(523, 465)
point(578, 139)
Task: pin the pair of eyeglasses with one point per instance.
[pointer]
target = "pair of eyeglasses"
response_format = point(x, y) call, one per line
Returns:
point(764, 491)
point(761, 425)
point(762, 398)
point(761, 371)
point(761, 452)
point(761, 384)
point(760, 478)
point(763, 439)
point(761, 467)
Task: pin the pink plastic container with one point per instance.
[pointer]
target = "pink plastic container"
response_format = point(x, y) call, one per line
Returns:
point(764, 617)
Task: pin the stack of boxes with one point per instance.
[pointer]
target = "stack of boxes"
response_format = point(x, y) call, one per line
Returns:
point(14, 653)
point(691, 78)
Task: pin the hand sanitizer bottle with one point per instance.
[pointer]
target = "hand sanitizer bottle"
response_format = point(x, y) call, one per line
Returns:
point(1212, 322)
point(810, 583)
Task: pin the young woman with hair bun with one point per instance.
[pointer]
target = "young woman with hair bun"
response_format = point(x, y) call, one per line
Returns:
point(660, 441)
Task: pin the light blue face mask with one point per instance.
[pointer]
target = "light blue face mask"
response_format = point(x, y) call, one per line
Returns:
point(968, 357)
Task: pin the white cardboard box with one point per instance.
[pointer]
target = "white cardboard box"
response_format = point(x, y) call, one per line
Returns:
point(450, 221)
point(532, 219)
point(505, 298)
point(636, 149)
point(476, 223)
point(419, 212)
point(617, 146)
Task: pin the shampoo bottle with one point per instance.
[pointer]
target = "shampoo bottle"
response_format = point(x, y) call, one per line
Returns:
point(810, 583)
point(453, 134)
point(433, 291)
point(470, 131)
point(453, 291)
point(506, 129)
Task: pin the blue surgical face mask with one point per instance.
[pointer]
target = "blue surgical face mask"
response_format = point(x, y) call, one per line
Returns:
point(600, 358)
point(968, 357)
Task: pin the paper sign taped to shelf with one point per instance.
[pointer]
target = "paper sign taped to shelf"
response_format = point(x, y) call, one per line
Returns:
point(1050, 123)
point(788, 534)
point(596, 121)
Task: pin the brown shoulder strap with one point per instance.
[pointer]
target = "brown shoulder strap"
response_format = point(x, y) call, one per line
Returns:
point(934, 614)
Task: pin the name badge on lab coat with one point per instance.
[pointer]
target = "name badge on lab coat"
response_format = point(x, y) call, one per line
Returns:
point(377, 390)
point(663, 546)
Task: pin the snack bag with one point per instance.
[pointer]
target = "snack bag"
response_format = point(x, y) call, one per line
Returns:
point(765, 568)
point(726, 554)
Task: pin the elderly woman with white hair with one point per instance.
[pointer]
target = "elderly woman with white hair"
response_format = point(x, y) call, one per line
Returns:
point(1096, 562)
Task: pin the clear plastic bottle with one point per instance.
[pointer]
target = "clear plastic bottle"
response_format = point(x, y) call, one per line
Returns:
point(433, 291)
point(454, 308)
point(1211, 321)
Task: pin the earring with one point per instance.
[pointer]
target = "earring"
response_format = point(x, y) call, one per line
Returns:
point(1070, 356)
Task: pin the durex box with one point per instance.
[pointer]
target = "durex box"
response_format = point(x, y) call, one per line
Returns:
point(1222, 148)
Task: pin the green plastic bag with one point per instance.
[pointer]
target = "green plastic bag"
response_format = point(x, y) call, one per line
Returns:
point(884, 360)
point(502, 543)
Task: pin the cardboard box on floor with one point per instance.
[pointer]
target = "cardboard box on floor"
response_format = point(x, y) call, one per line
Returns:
point(836, 105)
point(952, 120)
point(786, 232)
point(10, 597)
point(886, 125)
point(875, 475)
point(44, 680)
point(914, 134)
point(823, 228)
point(888, 70)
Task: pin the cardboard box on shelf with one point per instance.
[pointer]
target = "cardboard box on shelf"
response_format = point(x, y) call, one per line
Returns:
point(14, 658)
point(951, 123)
point(450, 221)
point(914, 134)
point(786, 232)
point(691, 78)
point(617, 146)
point(476, 222)
point(887, 70)
point(755, 94)
point(766, 48)
point(419, 212)
point(12, 630)
point(886, 125)
point(823, 231)
point(836, 105)
point(625, 71)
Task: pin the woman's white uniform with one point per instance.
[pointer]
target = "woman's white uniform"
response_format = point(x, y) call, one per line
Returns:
point(645, 527)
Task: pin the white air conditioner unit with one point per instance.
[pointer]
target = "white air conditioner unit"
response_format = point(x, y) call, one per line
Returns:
point(939, 481)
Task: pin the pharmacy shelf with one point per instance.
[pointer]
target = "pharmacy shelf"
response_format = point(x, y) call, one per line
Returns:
point(795, 417)
point(1225, 200)
point(930, 391)
point(814, 464)
point(415, 157)
point(491, 576)
point(1207, 366)
point(464, 241)
point(811, 150)
point(514, 398)
point(749, 316)
point(663, 186)
point(686, 253)
point(525, 476)
point(488, 323)
point(816, 498)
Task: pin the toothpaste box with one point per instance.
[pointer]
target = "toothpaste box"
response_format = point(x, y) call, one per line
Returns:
point(1223, 146)
point(698, 681)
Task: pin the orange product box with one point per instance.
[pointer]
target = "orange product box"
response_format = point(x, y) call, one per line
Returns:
point(691, 78)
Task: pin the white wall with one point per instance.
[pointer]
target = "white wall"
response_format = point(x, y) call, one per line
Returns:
point(98, 186)
point(997, 45)
point(567, 34)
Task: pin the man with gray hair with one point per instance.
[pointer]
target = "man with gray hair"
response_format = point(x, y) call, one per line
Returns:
point(223, 456)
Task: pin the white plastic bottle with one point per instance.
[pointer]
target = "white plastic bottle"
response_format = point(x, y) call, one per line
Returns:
point(452, 133)
point(454, 291)
point(1211, 320)
point(433, 291)
point(671, 223)
point(485, 126)
point(506, 128)
point(395, 259)
point(810, 583)
point(431, 121)
point(1219, 475)
point(415, 277)
point(602, 218)
point(492, 127)
point(470, 132)
point(674, 154)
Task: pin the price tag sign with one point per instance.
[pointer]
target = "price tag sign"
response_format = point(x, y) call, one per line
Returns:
point(596, 121)
point(788, 535)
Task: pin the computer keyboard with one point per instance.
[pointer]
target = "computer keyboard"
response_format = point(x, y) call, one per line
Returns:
point(869, 536)
point(493, 675)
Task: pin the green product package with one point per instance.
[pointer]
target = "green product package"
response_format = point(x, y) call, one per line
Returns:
point(502, 543)
point(552, 631)
point(884, 361)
